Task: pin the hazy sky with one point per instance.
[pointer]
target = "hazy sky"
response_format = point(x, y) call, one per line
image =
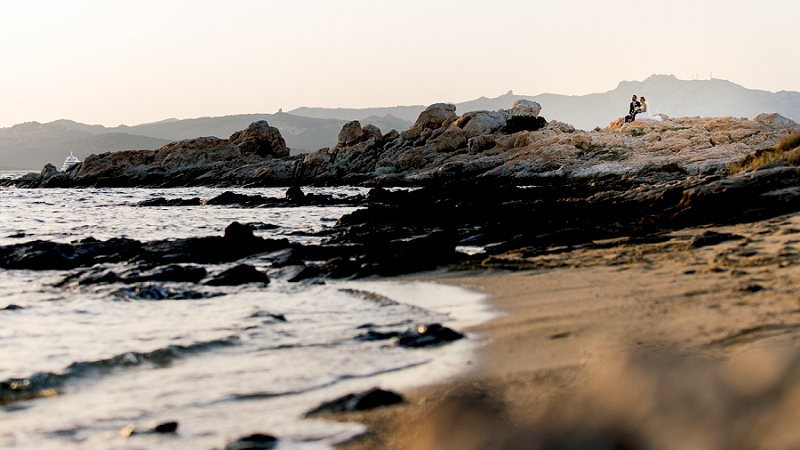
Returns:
point(113, 62)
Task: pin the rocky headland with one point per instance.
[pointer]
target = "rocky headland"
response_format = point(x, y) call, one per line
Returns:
point(505, 146)
point(495, 185)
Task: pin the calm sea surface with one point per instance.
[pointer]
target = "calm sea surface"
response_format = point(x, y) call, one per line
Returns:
point(223, 367)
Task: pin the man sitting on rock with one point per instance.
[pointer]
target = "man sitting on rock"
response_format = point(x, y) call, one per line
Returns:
point(634, 109)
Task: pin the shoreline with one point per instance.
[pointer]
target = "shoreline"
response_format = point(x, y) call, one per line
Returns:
point(594, 328)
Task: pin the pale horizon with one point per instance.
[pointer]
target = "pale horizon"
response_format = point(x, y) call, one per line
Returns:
point(141, 62)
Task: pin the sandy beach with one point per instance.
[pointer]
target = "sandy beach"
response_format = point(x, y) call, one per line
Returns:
point(688, 342)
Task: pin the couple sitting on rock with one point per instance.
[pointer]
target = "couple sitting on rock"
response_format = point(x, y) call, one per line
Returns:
point(639, 108)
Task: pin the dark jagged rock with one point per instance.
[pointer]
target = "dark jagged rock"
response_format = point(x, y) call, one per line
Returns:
point(172, 272)
point(12, 307)
point(276, 317)
point(295, 194)
point(100, 274)
point(308, 271)
point(428, 336)
point(262, 226)
point(422, 336)
point(161, 201)
point(241, 274)
point(237, 232)
point(237, 243)
point(42, 255)
point(253, 442)
point(370, 399)
point(373, 335)
point(166, 427)
point(232, 198)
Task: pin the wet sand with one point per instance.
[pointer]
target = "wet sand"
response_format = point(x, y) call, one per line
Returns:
point(683, 343)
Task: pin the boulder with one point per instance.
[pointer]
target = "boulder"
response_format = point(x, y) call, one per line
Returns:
point(351, 133)
point(524, 107)
point(434, 116)
point(775, 121)
point(479, 123)
point(295, 194)
point(48, 171)
point(452, 139)
point(261, 139)
point(481, 143)
point(57, 180)
point(371, 132)
point(361, 401)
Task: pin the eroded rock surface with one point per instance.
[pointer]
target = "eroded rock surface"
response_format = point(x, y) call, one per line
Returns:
point(441, 146)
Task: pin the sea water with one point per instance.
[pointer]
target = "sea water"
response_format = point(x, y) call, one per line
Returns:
point(223, 367)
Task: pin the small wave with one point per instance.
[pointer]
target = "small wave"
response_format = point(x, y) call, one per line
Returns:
point(49, 384)
point(333, 381)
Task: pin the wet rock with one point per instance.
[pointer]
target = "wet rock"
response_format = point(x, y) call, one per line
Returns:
point(172, 272)
point(96, 275)
point(262, 226)
point(57, 180)
point(241, 274)
point(161, 201)
point(373, 335)
point(43, 255)
point(17, 235)
point(166, 427)
point(422, 336)
point(428, 335)
point(370, 399)
point(308, 271)
point(340, 267)
point(12, 307)
point(152, 291)
point(295, 194)
point(414, 255)
point(48, 171)
point(100, 274)
point(276, 317)
point(239, 232)
point(253, 442)
point(229, 198)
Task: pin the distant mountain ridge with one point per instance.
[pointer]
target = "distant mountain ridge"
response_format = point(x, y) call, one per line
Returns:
point(665, 93)
point(31, 145)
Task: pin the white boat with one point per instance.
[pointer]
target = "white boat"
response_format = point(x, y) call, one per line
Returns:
point(70, 161)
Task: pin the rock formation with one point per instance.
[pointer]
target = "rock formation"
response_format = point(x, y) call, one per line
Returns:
point(439, 147)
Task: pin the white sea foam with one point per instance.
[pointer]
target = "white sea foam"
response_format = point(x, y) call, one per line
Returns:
point(264, 383)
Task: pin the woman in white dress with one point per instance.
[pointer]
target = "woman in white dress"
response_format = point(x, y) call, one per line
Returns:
point(645, 114)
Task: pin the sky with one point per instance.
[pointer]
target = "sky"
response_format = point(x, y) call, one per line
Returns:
point(114, 62)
